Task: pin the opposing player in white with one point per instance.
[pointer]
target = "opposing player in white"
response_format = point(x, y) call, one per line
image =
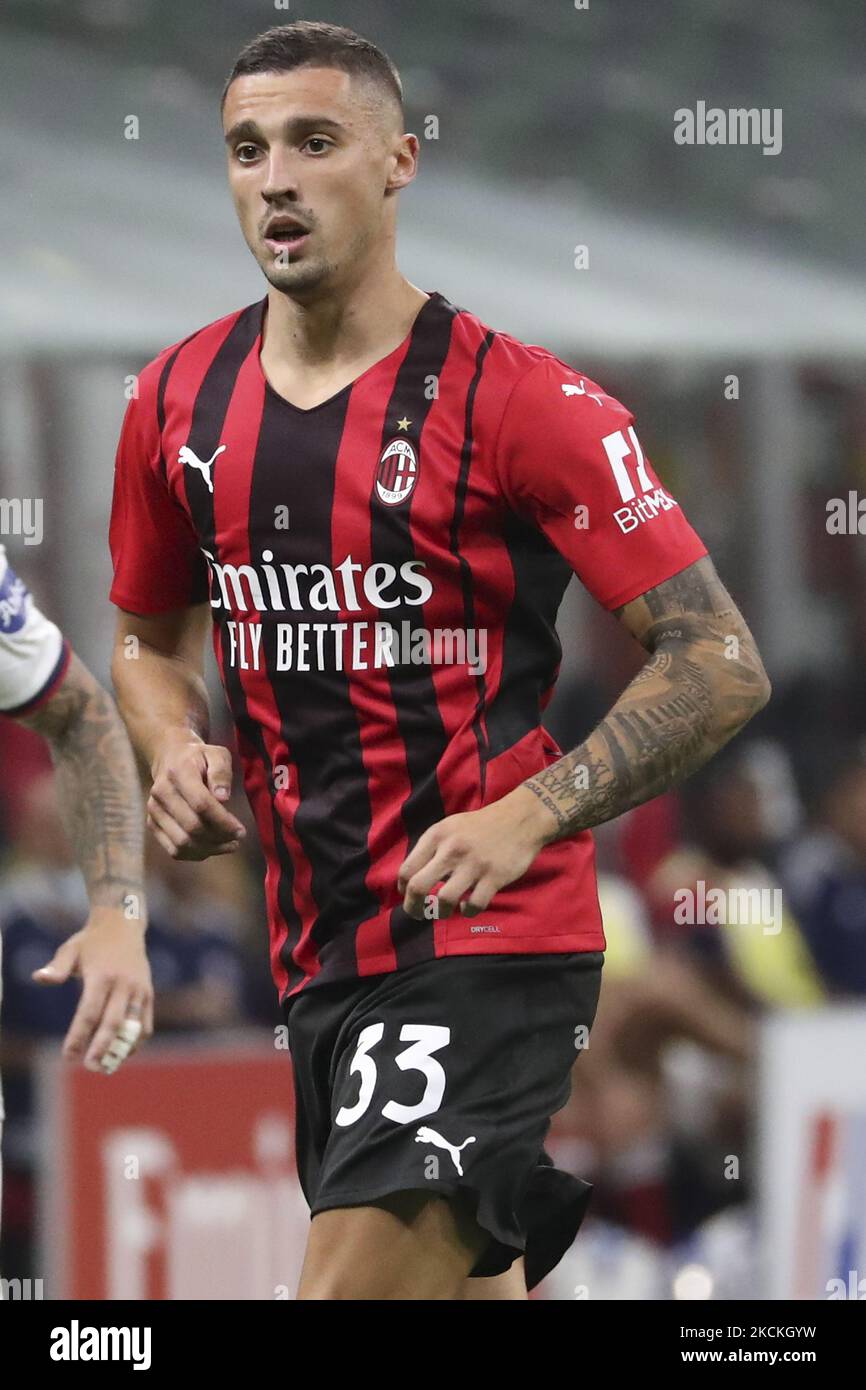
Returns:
point(46, 687)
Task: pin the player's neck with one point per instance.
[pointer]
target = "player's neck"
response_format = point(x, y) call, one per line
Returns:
point(366, 320)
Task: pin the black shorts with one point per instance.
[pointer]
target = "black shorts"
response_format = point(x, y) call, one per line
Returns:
point(443, 1077)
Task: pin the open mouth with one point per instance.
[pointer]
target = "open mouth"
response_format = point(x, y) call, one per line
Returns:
point(283, 233)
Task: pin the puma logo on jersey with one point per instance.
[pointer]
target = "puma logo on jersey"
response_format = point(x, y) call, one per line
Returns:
point(570, 389)
point(188, 458)
point(429, 1136)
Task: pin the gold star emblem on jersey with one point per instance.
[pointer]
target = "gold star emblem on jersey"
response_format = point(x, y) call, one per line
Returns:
point(403, 424)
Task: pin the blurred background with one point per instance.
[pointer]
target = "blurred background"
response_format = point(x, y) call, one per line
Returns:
point(720, 291)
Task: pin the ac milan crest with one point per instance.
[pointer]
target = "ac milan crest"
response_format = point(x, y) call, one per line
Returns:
point(397, 472)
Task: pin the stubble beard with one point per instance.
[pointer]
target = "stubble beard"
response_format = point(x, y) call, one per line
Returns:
point(309, 276)
point(297, 277)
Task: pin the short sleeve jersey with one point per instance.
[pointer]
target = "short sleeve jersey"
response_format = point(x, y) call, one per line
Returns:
point(384, 572)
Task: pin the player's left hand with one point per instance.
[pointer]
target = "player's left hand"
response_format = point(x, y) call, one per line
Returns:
point(115, 1011)
point(476, 853)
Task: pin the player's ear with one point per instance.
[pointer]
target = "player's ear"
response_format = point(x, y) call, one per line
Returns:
point(403, 163)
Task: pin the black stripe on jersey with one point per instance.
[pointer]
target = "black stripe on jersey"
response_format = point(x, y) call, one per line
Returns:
point(208, 418)
point(412, 690)
point(160, 400)
point(531, 650)
point(295, 467)
point(465, 571)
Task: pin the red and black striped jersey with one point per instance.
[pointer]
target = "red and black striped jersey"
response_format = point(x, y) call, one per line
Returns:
point(385, 571)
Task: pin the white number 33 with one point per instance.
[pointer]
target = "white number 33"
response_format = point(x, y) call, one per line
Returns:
point(424, 1040)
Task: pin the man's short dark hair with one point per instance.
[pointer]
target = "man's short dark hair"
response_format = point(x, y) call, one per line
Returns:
point(309, 43)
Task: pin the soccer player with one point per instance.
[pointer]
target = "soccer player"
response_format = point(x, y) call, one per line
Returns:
point(45, 687)
point(377, 501)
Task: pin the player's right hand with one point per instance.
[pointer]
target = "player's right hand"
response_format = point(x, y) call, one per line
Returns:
point(191, 780)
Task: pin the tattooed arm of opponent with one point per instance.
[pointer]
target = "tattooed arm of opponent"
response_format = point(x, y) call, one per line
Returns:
point(100, 801)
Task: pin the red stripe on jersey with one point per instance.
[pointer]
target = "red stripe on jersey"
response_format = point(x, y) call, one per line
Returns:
point(182, 388)
point(446, 521)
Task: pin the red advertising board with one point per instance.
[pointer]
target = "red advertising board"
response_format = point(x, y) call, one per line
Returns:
point(172, 1179)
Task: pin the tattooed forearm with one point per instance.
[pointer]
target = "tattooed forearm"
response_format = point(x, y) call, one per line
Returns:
point(704, 680)
point(98, 788)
